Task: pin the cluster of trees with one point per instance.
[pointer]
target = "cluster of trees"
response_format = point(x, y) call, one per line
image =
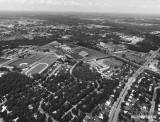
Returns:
point(153, 39)
point(70, 92)
point(16, 69)
point(141, 48)
point(1, 51)
point(36, 41)
point(125, 117)
point(85, 73)
point(4, 69)
point(19, 92)
point(151, 42)
point(70, 20)
point(11, 81)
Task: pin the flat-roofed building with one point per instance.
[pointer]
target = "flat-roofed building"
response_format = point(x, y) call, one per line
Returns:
point(83, 54)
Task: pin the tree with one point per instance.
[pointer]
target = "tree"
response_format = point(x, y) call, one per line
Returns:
point(105, 118)
point(17, 69)
point(123, 55)
point(4, 69)
point(36, 76)
point(1, 53)
point(49, 119)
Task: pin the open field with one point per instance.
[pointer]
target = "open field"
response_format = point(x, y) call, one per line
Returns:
point(37, 69)
point(110, 62)
point(3, 60)
point(51, 46)
point(92, 54)
point(29, 60)
point(113, 62)
point(76, 56)
point(133, 57)
point(50, 59)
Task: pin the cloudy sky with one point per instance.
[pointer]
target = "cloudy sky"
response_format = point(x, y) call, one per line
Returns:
point(122, 6)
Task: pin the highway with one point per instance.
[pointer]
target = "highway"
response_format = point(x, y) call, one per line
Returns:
point(113, 116)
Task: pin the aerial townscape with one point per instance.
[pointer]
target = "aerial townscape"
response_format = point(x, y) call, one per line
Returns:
point(79, 67)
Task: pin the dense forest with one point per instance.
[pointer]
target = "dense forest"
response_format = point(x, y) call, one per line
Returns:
point(151, 42)
point(11, 81)
point(36, 41)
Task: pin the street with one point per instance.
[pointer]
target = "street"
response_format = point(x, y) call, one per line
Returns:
point(113, 116)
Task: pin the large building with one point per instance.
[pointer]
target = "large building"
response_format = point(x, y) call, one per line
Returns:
point(110, 48)
point(83, 54)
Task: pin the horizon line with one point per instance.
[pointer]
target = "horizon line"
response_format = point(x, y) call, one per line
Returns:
point(84, 12)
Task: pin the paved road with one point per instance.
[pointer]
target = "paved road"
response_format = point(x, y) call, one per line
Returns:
point(113, 116)
point(43, 112)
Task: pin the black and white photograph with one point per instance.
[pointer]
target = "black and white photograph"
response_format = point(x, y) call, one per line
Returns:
point(79, 60)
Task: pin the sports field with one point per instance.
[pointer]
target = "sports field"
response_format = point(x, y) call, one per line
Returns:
point(92, 54)
point(29, 60)
point(42, 64)
point(39, 68)
point(50, 59)
point(3, 60)
point(110, 62)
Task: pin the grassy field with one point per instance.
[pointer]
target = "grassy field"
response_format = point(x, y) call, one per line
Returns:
point(30, 60)
point(135, 58)
point(76, 56)
point(3, 60)
point(50, 59)
point(37, 69)
point(112, 62)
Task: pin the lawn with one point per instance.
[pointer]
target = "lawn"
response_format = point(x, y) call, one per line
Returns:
point(3, 60)
point(112, 62)
point(30, 60)
point(37, 69)
point(50, 59)
point(76, 56)
point(135, 58)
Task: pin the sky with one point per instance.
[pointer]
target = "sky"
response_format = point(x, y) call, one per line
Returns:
point(108, 6)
